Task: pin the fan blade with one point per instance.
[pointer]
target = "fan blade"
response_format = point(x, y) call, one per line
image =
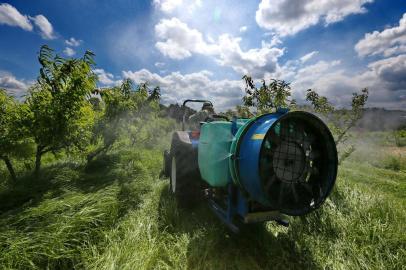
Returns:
point(294, 192)
point(271, 181)
point(281, 191)
point(320, 189)
point(315, 171)
point(308, 188)
point(308, 140)
point(299, 132)
point(314, 154)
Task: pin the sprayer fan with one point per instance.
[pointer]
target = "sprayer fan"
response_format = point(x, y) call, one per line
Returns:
point(292, 165)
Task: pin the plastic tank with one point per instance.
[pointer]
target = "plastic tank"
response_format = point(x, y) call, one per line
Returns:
point(214, 150)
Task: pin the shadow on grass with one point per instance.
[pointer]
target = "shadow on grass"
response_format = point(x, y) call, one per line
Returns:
point(29, 190)
point(56, 179)
point(88, 202)
point(213, 246)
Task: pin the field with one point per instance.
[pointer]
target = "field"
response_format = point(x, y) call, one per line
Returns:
point(115, 213)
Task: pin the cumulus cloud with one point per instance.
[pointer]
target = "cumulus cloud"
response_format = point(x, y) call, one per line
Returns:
point(389, 42)
point(106, 78)
point(177, 87)
point(384, 78)
point(326, 77)
point(9, 15)
point(45, 27)
point(288, 17)
point(12, 85)
point(167, 6)
point(179, 41)
point(73, 42)
point(391, 72)
point(69, 51)
point(255, 62)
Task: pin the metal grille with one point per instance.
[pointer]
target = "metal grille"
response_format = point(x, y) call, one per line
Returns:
point(289, 155)
point(288, 161)
point(292, 158)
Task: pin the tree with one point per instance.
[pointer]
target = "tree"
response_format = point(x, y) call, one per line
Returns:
point(340, 121)
point(61, 116)
point(125, 111)
point(14, 141)
point(268, 97)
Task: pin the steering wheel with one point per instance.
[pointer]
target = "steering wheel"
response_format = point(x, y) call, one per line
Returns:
point(212, 118)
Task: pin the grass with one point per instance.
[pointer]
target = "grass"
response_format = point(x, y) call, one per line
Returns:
point(116, 213)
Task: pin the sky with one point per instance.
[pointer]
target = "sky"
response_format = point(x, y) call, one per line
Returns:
point(202, 48)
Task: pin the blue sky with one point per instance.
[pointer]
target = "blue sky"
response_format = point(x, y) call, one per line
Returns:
point(201, 49)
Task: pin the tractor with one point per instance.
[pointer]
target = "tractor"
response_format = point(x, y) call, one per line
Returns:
point(265, 168)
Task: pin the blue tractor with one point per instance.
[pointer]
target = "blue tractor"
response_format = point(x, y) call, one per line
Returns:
point(253, 170)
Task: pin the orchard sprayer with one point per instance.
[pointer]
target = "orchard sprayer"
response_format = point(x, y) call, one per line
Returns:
point(253, 170)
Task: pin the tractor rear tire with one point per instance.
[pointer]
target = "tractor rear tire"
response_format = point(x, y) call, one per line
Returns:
point(183, 181)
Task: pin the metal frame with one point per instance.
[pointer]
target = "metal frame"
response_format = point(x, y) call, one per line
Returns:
point(184, 105)
point(237, 206)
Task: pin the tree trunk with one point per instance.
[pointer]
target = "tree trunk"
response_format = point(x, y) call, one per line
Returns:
point(38, 156)
point(10, 168)
point(95, 153)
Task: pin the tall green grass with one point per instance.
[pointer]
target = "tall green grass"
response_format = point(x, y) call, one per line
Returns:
point(115, 213)
point(358, 228)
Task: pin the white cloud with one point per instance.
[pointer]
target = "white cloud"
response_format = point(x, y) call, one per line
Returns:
point(243, 29)
point(179, 41)
point(9, 15)
point(69, 51)
point(255, 62)
point(174, 6)
point(45, 27)
point(308, 56)
point(12, 85)
point(275, 41)
point(167, 6)
point(73, 42)
point(384, 78)
point(391, 72)
point(172, 49)
point(177, 87)
point(106, 78)
point(287, 17)
point(389, 42)
point(316, 76)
